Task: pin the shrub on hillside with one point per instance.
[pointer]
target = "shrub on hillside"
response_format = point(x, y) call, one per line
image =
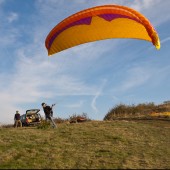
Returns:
point(44, 125)
point(130, 111)
point(77, 118)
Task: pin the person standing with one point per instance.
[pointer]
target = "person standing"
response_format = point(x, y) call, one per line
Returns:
point(17, 120)
point(48, 111)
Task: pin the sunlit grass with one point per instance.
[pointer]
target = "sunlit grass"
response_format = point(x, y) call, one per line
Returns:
point(88, 145)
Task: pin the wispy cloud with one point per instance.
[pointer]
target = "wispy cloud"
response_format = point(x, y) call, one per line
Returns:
point(2, 1)
point(76, 105)
point(30, 75)
point(141, 5)
point(165, 40)
point(97, 94)
point(12, 17)
point(135, 77)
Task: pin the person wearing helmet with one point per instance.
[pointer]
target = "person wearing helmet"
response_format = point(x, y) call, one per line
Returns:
point(48, 111)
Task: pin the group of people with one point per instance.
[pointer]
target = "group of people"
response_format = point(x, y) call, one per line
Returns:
point(48, 111)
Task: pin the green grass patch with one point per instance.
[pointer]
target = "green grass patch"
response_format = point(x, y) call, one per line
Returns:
point(88, 145)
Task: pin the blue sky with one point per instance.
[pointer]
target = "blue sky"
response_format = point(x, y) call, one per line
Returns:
point(91, 78)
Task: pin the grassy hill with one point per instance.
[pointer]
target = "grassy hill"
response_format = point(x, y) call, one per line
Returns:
point(94, 144)
point(140, 111)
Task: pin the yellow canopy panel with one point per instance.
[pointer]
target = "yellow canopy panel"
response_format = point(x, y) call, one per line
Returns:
point(99, 23)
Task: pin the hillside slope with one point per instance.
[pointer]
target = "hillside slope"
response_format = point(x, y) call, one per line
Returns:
point(95, 144)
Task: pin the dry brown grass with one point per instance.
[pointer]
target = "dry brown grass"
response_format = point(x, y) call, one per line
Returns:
point(88, 145)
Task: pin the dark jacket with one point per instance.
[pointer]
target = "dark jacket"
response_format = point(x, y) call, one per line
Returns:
point(47, 110)
point(17, 116)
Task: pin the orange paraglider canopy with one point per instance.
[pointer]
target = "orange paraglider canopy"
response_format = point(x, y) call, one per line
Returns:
point(99, 23)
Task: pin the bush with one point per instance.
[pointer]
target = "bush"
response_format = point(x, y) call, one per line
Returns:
point(78, 118)
point(44, 125)
point(133, 111)
point(60, 120)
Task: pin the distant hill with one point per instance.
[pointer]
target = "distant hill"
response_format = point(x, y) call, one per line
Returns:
point(144, 110)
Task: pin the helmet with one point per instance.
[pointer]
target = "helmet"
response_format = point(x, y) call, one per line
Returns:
point(43, 104)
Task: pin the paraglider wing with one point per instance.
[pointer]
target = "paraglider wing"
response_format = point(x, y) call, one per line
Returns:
point(99, 23)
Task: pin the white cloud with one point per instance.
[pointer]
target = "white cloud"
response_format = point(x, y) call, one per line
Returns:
point(157, 11)
point(144, 4)
point(2, 1)
point(165, 40)
point(34, 76)
point(12, 17)
point(97, 94)
point(8, 37)
point(93, 103)
point(76, 105)
point(135, 77)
